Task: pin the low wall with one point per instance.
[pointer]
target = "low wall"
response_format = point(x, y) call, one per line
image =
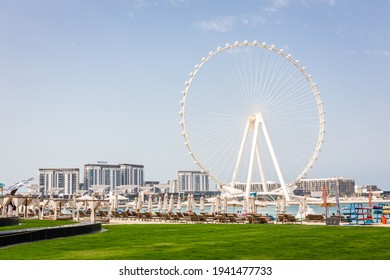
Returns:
point(9, 221)
point(30, 235)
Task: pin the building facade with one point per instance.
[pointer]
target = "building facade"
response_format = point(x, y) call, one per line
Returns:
point(113, 175)
point(257, 187)
point(345, 186)
point(192, 181)
point(56, 180)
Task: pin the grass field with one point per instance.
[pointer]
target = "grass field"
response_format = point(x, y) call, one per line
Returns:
point(36, 223)
point(213, 242)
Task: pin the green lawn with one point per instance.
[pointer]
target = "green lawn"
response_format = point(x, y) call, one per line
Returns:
point(213, 242)
point(23, 224)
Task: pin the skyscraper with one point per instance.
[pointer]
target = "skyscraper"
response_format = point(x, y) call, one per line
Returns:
point(192, 181)
point(67, 179)
point(113, 175)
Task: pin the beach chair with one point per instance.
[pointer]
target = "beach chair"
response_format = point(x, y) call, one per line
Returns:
point(173, 217)
point(101, 217)
point(124, 215)
point(116, 215)
point(131, 215)
point(249, 219)
point(182, 218)
point(221, 218)
point(210, 218)
point(239, 219)
point(193, 217)
point(152, 216)
point(314, 218)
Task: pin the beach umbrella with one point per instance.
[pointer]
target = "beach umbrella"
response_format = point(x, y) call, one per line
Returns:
point(139, 203)
point(337, 198)
point(245, 205)
point(283, 205)
point(201, 204)
point(135, 203)
point(251, 204)
point(116, 201)
point(170, 205)
point(300, 215)
point(193, 202)
point(190, 205)
point(234, 203)
point(165, 205)
point(178, 205)
point(159, 204)
point(112, 201)
point(150, 203)
point(278, 202)
point(212, 207)
point(217, 203)
point(305, 205)
point(324, 200)
point(225, 205)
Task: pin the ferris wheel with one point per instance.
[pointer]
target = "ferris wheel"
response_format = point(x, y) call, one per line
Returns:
point(250, 113)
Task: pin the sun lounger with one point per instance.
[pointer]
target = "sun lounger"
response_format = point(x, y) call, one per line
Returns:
point(287, 218)
point(221, 218)
point(174, 217)
point(314, 218)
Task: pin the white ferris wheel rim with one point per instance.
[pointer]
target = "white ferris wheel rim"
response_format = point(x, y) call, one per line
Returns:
point(272, 48)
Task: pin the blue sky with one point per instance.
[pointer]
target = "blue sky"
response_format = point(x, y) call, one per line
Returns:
point(86, 81)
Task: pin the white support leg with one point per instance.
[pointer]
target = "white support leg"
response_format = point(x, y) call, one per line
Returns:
point(273, 156)
point(254, 120)
point(239, 159)
point(261, 168)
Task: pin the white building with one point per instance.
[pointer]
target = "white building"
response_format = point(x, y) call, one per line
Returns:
point(192, 181)
point(345, 186)
point(53, 179)
point(113, 175)
point(257, 187)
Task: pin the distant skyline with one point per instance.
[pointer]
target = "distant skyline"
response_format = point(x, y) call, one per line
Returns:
point(88, 81)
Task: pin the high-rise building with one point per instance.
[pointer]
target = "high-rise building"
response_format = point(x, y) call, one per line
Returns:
point(257, 187)
point(192, 181)
point(53, 179)
point(113, 175)
point(345, 186)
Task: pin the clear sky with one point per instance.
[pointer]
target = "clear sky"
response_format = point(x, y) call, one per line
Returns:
point(87, 81)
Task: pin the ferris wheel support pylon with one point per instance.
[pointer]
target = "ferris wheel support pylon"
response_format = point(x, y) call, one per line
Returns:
point(255, 122)
point(273, 156)
point(261, 167)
